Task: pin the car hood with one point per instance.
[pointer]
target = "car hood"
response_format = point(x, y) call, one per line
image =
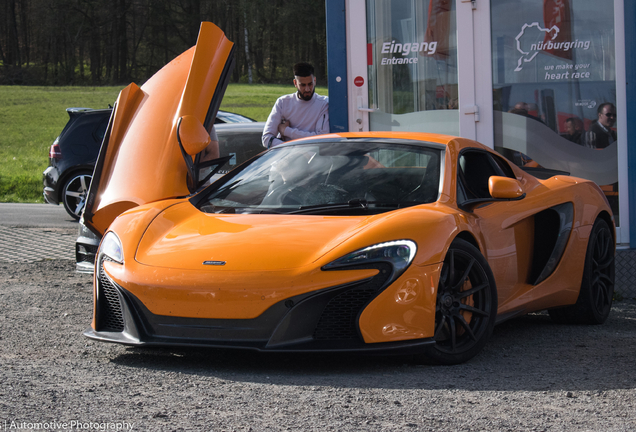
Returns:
point(183, 237)
point(140, 160)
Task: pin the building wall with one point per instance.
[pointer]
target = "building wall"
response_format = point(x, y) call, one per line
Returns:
point(626, 258)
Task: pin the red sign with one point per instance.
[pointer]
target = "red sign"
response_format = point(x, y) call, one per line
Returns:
point(358, 81)
point(556, 13)
point(438, 26)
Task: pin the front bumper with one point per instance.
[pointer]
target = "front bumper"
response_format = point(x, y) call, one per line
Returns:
point(324, 320)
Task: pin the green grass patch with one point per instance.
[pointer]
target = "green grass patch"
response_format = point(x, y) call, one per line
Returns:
point(32, 117)
point(21, 188)
point(30, 120)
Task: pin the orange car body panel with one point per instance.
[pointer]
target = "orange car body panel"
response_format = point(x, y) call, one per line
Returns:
point(405, 310)
point(273, 257)
point(143, 162)
point(269, 257)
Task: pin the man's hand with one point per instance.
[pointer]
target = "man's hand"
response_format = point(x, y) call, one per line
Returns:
point(282, 127)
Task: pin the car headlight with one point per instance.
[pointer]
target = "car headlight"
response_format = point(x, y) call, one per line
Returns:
point(111, 247)
point(398, 253)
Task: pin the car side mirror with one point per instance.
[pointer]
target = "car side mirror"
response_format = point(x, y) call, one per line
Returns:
point(192, 136)
point(505, 188)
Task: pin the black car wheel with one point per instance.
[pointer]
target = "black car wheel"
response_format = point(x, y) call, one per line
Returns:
point(466, 306)
point(597, 287)
point(74, 193)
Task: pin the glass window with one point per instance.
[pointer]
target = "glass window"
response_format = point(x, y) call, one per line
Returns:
point(412, 57)
point(475, 169)
point(240, 144)
point(330, 178)
point(554, 87)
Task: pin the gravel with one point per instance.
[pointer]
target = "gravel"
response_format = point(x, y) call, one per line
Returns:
point(533, 375)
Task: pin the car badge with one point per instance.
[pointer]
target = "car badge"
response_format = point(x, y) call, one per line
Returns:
point(214, 263)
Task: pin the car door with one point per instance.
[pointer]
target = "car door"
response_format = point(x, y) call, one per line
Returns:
point(507, 228)
point(141, 160)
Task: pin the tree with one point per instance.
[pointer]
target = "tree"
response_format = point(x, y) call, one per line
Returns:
point(119, 41)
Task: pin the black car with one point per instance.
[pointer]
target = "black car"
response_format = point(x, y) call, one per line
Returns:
point(72, 157)
point(241, 141)
point(73, 154)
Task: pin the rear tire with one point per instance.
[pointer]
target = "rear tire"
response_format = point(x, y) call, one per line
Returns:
point(74, 193)
point(597, 287)
point(466, 306)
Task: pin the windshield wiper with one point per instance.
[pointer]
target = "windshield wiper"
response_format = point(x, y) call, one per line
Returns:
point(354, 204)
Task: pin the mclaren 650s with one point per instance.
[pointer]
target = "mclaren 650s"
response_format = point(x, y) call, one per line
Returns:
point(380, 242)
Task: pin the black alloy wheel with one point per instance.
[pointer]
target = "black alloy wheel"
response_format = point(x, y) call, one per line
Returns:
point(74, 193)
point(597, 287)
point(466, 306)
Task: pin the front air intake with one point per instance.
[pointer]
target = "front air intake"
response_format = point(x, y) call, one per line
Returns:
point(109, 317)
point(339, 319)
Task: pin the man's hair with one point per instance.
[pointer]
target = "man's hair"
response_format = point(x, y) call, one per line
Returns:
point(303, 69)
point(603, 105)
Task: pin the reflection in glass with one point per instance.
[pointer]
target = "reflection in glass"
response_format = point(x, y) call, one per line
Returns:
point(330, 178)
point(412, 57)
point(554, 87)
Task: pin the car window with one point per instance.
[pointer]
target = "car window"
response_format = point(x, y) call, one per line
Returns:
point(240, 145)
point(100, 131)
point(366, 177)
point(475, 168)
point(504, 166)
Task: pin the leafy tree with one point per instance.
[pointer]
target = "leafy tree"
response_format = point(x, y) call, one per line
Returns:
point(119, 41)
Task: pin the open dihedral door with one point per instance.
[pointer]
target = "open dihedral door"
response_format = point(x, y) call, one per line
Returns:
point(140, 160)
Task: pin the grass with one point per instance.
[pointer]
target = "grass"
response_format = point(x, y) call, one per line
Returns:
point(32, 117)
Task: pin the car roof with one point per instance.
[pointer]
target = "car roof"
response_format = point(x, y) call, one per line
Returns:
point(412, 138)
point(240, 127)
point(230, 117)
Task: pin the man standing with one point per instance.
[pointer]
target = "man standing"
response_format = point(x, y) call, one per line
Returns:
point(574, 130)
point(601, 133)
point(299, 114)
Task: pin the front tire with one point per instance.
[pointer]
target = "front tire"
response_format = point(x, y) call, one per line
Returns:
point(74, 193)
point(597, 287)
point(466, 306)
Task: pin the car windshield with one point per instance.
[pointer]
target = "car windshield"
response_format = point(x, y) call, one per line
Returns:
point(330, 178)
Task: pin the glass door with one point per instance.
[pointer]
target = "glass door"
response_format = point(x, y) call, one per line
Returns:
point(412, 65)
point(554, 84)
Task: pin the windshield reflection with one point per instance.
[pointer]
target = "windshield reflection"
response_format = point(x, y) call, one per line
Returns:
point(330, 178)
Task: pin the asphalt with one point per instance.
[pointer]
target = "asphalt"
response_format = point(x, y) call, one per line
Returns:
point(36, 232)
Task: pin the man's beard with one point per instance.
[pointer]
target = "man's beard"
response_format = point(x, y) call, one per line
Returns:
point(306, 98)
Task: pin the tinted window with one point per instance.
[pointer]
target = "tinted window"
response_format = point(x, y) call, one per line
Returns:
point(101, 130)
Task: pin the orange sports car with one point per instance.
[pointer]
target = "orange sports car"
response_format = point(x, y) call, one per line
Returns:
point(376, 242)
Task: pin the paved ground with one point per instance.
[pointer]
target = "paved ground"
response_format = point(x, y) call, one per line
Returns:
point(35, 215)
point(35, 232)
point(25, 245)
point(532, 376)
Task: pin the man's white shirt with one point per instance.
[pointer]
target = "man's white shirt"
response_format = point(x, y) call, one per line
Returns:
point(306, 118)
